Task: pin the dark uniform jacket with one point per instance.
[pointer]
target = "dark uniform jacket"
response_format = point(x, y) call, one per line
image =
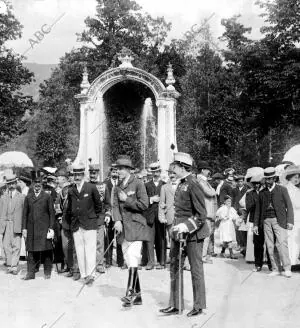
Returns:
point(251, 203)
point(131, 211)
point(38, 217)
point(151, 213)
point(282, 205)
point(190, 208)
point(84, 207)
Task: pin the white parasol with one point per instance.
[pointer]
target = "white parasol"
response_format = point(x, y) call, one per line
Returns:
point(15, 158)
point(293, 155)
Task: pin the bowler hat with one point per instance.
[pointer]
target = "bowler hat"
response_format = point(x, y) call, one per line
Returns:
point(218, 176)
point(270, 172)
point(183, 158)
point(11, 178)
point(62, 173)
point(124, 161)
point(36, 176)
point(204, 165)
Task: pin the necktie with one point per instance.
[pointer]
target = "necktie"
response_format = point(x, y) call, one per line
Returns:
point(10, 194)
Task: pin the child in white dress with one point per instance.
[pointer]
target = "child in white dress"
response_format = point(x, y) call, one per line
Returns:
point(226, 214)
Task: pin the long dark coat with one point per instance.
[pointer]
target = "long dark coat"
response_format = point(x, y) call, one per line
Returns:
point(131, 211)
point(38, 217)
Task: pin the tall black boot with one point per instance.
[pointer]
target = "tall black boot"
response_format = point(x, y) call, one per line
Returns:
point(129, 299)
point(129, 283)
point(138, 298)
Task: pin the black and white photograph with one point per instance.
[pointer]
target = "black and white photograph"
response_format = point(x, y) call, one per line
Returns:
point(150, 163)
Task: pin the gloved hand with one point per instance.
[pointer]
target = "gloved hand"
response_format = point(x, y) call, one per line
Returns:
point(290, 226)
point(107, 220)
point(181, 228)
point(255, 230)
point(118, 226)
point(50, 234)
point(24, 233)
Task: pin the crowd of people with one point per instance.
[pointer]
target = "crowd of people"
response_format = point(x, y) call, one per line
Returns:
point(72, 218)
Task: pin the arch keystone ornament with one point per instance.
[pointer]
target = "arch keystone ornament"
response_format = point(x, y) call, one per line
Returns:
point(92, 111)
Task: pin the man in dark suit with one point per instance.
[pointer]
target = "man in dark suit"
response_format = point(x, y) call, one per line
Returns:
point(252, 197)
point(37, 228)
point(156, 228)
point(110, 183)
point(190, 219)
point(275, 213)
point(84, 207)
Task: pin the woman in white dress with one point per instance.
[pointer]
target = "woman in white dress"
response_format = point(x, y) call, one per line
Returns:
point(226, 215)
point(291, 175)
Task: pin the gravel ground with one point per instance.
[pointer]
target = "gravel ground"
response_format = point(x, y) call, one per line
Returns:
point(236, 297)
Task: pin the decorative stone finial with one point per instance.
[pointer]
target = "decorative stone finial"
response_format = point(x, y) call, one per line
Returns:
point(170, 78)
point(85, 81)
point(125, 57)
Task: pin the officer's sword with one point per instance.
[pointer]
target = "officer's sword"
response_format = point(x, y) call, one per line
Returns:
point(181, 247)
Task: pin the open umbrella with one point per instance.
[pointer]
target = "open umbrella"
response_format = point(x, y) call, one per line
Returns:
point(293, 155)
point(15, 159)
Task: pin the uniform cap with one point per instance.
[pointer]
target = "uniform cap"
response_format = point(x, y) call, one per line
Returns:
point(183, 158)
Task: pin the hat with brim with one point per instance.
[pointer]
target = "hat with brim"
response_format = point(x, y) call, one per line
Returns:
point(36, 176)
point(239, 177)
point(183, 159)
point(290, 171)
point(154, 167)
point(11, 178)
point(94, 168)
point(78, 168)
point(229, 171)
point(218, 176)
point(24, 178)
point(124, 162)
point(257, 178)
point(269, 172)
point(204, 166)
point(113, 166)
point(49, 170)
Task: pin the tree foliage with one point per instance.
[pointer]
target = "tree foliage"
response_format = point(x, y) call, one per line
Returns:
point(13, 104)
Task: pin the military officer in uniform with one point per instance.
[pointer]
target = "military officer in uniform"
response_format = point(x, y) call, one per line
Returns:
point(190, 220)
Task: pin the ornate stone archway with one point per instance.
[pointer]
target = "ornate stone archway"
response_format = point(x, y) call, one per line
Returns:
point(92, 111)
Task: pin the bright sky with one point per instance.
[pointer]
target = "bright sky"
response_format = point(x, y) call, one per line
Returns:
point(69, 16)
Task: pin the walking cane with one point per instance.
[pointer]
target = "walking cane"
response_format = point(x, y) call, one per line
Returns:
point(53, 249)
point(181, 248)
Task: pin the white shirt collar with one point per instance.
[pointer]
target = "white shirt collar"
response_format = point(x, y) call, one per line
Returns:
point(80, 186)
point(271, 189)
point(125, 181)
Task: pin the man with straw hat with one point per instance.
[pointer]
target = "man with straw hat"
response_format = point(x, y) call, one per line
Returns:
point(275, 213)
point(13, 204)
